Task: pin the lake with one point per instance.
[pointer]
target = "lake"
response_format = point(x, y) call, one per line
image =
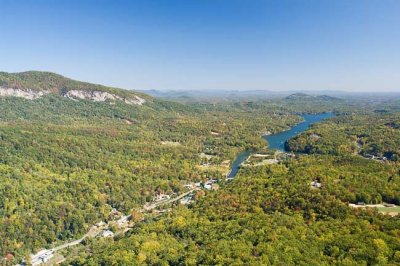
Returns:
point(277, 141)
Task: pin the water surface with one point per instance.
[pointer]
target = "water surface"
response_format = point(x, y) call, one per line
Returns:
point(277, 141)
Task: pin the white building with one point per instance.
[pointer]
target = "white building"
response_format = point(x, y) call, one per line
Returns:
point(316, 184)
point(42, 257)
point(186, 200)
point(107, 233)
point(161, 197)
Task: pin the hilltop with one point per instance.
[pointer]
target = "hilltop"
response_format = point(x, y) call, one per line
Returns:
point(304, 96)
point(35, 84)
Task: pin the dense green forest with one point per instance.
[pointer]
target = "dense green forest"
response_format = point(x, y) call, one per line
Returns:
point(66, 163)
point(371, 133)
point(271, 215)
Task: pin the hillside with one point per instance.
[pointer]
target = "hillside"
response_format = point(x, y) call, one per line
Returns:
point(35, 84)
point(269, 215)
point(304, 96)
point(67, 163)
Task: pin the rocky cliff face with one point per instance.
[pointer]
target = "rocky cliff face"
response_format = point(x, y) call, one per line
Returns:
point(32, 85)
point(23, 93)
point(97, 96)
point(101, 96)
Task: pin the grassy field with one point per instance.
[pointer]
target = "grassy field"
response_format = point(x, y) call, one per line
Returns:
point(389, 209)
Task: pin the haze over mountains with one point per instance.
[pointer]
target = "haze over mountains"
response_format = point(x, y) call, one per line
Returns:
point(36, 84)
point(195, 95)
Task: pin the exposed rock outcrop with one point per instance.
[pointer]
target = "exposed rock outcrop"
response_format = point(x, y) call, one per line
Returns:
point(102, 96)
point(35, 84)
point(97, 96)
point(22, 93)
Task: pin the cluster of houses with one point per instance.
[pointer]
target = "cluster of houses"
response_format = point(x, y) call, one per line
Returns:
point(210, 184)
point(105, 232)
point(119, 220)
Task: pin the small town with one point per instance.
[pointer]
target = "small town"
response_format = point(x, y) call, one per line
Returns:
point(120, 223)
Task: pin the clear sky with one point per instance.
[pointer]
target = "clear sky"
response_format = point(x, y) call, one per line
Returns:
point(207, 44)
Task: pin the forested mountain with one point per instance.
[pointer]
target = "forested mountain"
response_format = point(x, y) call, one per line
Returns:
point(67, 163)
point(35, 84)
point(74, 153)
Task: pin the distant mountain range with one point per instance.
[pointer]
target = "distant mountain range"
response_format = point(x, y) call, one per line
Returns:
point(303, 96)
point(36, 84)
point(218, 95)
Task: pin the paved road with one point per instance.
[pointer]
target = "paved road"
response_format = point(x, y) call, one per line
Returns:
point(94, 231)
point(155, 205)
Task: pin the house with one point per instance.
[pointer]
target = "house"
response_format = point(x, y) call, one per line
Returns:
point(316, 184)
point(186, 200)
point(208, 186)
point(267, 133)
point(107, 233)
point(123, 220)
point(161, 197)
point(41, 257)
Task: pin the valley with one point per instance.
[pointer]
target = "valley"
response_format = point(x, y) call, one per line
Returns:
point(115, 180)
point(186, 133)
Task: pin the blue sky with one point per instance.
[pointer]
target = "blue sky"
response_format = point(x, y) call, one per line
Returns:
point(207, 44)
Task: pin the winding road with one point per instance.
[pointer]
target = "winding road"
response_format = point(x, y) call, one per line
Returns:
point(96, 230)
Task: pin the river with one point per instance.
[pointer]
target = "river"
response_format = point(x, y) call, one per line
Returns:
point(277, 141)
